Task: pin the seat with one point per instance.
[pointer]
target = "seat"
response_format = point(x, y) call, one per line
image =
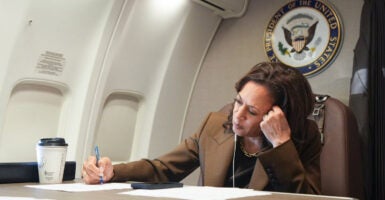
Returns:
point(341, 157)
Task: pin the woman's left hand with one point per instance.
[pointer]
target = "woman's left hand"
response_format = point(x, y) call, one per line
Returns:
point(275, 126)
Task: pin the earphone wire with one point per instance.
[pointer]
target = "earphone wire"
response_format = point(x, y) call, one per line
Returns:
point(235, 149)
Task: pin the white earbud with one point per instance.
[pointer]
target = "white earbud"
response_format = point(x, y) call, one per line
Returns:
point(235, 149)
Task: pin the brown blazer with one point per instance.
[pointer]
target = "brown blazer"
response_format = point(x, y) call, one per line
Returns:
point(211, 149)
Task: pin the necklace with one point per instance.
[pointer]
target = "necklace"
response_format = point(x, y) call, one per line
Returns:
point(250, 155)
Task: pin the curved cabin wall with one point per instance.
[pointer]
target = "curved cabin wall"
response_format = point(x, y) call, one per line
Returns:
point(114, 73)
point(53, 52)
point(154, 55)
point(33, 112)
point(116, 128)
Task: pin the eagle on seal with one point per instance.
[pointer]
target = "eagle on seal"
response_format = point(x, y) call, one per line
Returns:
point(299, 36)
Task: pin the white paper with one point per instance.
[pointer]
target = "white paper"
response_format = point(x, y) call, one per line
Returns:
point(81, 187)
point(198, 192)
point(19, 198)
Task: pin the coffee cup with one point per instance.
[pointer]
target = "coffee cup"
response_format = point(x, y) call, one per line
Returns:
point(51, 157)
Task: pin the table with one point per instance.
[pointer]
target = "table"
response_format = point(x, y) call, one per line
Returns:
point(19, 190)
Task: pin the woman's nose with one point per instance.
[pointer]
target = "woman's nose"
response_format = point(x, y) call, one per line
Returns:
point(240, 112)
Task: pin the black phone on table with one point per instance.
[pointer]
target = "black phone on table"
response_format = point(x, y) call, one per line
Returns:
point(151, 185)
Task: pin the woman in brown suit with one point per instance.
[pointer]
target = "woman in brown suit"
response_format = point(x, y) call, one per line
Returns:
point(265, 143)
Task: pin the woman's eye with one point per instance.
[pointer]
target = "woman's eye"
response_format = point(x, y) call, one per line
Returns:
point(252, 112)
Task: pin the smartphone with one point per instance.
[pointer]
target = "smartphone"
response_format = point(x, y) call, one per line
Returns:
point(150, 186)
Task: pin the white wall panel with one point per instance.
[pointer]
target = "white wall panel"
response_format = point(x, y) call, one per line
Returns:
point(184, 65)
point(155, 54)
point(99, 71)
point(116, 128)
point(33, 112)
point(58, 45)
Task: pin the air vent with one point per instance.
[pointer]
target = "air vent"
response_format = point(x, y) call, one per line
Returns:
point(225, 8)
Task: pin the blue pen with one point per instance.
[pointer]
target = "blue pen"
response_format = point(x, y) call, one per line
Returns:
point(97, 154)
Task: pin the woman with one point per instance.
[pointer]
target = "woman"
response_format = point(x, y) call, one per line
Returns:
point(265, 143)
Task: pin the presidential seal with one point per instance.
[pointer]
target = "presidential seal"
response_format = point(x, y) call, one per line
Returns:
point(305, 34)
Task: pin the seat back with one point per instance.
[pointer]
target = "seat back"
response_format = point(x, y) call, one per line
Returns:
point(341, 156)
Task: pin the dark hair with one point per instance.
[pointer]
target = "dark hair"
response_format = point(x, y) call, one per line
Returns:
point(290, 90)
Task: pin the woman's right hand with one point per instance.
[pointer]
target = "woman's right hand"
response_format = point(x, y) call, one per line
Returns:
point(91, 173)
